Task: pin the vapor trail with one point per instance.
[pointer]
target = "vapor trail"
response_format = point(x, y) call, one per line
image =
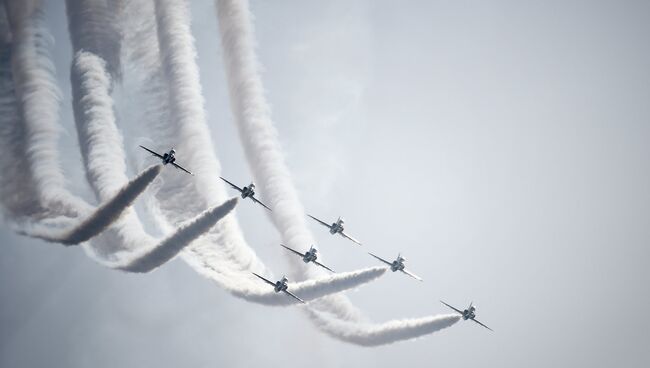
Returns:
point(99, 220)
point(101, 146)
point(17, 193)
point(383, 333)
point(246, 286)
point(315, 288)
point(172, 245)
point(94, 27)
point(39, 99)
point(265, 157)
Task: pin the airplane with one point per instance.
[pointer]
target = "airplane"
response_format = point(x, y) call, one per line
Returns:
point(397, 265)
point(309, 256)
point(247, 192)
point(468, 313)
point(280, 285)
point(167, 158)
point(336, 228)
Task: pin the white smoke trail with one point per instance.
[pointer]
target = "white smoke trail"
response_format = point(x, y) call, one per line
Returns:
point(16, 190)
point(383, 333)
point(39, 100)
point(100, 219)
point(250, 288)
point(94, 27)
point(172, 245)
point(266, 160)
point(101, 147)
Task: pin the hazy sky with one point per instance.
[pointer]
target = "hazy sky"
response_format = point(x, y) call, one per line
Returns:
point(501, 146)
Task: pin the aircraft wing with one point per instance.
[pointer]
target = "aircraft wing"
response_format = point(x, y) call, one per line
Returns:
point(291, 250)
point(412, 274)
point(451, 307)
point(321, 222)
point(259, 202)
point(182, 168)
point(294, 296)
point(232, 185)
point(325, 267)
point(381, 259)
point(150, 151)
point(265, 280)
point(482, 324)
point(349, 237)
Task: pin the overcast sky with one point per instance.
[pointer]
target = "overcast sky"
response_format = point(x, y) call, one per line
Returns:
point(501, 146)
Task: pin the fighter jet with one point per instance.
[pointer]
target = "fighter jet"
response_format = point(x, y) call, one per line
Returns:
point(280, 285)
point(310, 256)
point(397, 265)
point(336, 228)
point(167, 158)
point(247, 192)
point(468, 313)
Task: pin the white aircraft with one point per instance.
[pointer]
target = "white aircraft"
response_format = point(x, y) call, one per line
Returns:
point(309, 256)
point(280, 285)
point(397, 265)
point(468, 313)
point(168, 158)
point(247, 192)
point(336, 228)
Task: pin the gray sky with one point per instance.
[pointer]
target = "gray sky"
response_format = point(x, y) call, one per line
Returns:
point(501, 146)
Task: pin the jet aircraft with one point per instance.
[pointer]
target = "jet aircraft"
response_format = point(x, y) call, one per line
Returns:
point(280, 285)
point(310, 256)
point(469, 313)
point(397, 265)
point(167, 158)
point(247, 192)
point(336, 228)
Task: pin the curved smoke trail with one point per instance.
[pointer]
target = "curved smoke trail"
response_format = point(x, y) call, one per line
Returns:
point(17, 193)
point(39, 98)
point(266, 160)
point(101, 147)
point(100, 219)
point(94, 28)
point(366, 334)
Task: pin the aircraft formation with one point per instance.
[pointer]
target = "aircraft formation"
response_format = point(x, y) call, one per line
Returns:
point(311, 255)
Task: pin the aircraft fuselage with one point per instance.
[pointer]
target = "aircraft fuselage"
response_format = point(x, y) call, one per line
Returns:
point(397, 265)
point(336, 227)
point(169, 157)
point(281, 285)
point(248, 191)
point(310, 255)
point(469, 313)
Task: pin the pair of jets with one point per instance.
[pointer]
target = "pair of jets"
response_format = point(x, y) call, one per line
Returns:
point(170, 158)
point(282, 285)
point(312, 255)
